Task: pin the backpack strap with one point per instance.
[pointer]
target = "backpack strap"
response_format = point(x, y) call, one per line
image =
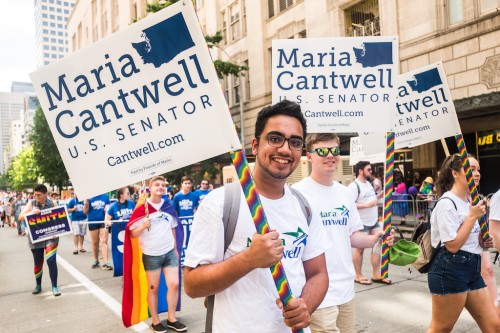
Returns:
point(359, 189)
point(304, 205)
point(232, 197)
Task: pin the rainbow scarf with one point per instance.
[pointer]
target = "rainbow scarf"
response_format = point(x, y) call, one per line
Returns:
point(135, 287)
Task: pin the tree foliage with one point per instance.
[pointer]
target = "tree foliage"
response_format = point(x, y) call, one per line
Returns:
point(23, 173)
point(49, 162)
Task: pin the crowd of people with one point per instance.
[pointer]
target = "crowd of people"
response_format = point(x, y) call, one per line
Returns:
point(319, 235)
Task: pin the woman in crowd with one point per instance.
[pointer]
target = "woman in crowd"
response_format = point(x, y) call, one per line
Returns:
point(486, 263)
point(121, 210)
point(454, 277)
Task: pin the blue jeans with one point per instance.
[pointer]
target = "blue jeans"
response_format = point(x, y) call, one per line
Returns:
point(455, 273)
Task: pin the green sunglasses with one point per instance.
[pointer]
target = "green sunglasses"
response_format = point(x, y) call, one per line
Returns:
point(323, 151)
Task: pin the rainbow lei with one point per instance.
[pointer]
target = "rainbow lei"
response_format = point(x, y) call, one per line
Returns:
point(462, 151)
point(259, 218)
point(388, 188)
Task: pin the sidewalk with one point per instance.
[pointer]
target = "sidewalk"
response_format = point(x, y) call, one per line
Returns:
point(91, 298)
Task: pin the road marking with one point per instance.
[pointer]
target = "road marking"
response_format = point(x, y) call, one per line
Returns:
point(100, 294)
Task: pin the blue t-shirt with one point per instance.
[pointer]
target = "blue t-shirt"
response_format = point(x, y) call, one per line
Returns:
point(78, 214)
point(185, 204)
point(97, 205)
point(201, 194)
point(121, 211)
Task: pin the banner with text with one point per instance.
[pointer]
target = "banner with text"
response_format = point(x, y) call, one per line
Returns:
point(357, 153)
point(48, 224)
point(343, 84)
point(137, 103)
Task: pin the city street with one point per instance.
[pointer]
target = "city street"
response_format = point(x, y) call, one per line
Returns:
point(91, 298)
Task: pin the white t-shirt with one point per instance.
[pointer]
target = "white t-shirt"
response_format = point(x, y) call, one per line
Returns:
point(366, 193)
point(159, 239)
point(495, 207)
point(249, 305)
point(340, 218)
point(445, 221)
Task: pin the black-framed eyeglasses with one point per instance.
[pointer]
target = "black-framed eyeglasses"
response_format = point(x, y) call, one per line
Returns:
point(323, 151)
point(277, 141)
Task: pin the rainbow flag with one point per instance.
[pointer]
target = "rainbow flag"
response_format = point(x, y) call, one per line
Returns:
point(135, 287)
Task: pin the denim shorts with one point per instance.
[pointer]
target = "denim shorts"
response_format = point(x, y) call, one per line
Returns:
point(153, 263)
point(455, 273)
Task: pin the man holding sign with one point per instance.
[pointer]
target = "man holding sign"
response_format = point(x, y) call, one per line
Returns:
point(240, 278)
point(40, 203)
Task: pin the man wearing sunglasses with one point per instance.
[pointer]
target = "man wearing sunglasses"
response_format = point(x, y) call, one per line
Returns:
point(342, 225)
point(240, 278)
point(366, 202)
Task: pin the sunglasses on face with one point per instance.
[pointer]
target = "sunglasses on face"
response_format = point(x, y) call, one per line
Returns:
point(323, 151)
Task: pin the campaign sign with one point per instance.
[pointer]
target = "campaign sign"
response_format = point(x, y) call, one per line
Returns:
point(48, 223)
point(357, 153)
point(424, 108)
point(136, 104)
point(343, 84)
point(187, 222)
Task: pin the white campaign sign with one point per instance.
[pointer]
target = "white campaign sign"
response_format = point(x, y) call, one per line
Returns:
point(142, 102)
point(343, 84)
point(358, 154)
point(424, 109)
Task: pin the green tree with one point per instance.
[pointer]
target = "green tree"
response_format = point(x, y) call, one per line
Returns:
point(23, 172)
point(49, 162)
point(222, 67)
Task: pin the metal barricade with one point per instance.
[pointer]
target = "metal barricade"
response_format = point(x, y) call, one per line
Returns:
point(424, 204)
point(403, 210)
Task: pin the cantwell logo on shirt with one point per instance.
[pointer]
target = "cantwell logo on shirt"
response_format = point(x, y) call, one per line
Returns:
point(299, 237)
point(334, 217)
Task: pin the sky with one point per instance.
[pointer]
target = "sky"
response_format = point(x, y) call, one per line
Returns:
point(17, 42)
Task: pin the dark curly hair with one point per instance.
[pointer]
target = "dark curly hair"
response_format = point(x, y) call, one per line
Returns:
point(446, 180)
point(284, 107)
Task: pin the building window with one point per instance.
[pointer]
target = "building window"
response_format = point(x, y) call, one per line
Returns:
point(244, 17)
point(284, 4)
point(236, 89)
point(270, 8)
point(363, 19)
point(456, 11)
point(224, 28)
point(247, 82)
point(225, 88)
point(234, 12)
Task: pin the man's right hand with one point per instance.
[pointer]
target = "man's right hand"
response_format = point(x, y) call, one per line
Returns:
point(265, 250)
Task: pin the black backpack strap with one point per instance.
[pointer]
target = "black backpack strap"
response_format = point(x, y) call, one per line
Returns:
point(232, 197)
point(304, 205)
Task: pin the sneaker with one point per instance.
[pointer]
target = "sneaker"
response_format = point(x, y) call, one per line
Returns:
point(177, 326)
point(158, 328)
point(37, 290)
point(56, 291)
point(95, 264)
point(107, 267)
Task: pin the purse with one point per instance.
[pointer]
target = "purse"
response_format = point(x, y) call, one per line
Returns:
point(403, 252)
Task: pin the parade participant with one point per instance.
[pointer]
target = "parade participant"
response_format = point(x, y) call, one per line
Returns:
point(185, 202)
point(366, 203)
point(156, 233)
point(75, 207)
point(35, 206)
point(342, 225)
point(240, 278)
point(95, 208)
point(122, 209)
point(454, 277)
point(16, 208)
point(486, 263)
point(202, 192)
point(495, 228)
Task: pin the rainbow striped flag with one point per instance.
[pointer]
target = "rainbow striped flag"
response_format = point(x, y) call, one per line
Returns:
point(135, 287)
